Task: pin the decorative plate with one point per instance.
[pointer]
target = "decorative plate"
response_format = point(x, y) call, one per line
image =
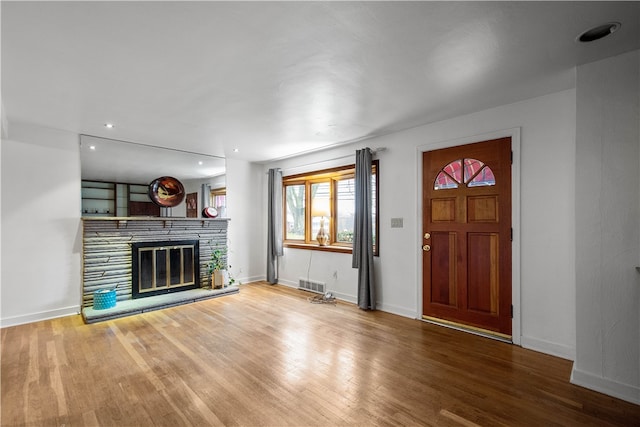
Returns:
point(210, 212)
point(166, 192)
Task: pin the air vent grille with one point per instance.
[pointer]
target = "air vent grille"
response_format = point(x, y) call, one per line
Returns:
point(312, 285)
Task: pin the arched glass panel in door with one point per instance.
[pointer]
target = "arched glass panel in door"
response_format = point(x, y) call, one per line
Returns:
point(469, 172)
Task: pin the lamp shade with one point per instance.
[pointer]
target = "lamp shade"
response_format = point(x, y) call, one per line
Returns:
point(320, 207)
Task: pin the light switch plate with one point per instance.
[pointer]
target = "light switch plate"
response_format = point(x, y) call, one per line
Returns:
point(397, 222)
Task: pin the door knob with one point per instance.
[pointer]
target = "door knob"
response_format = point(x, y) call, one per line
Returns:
point(426, 248)
point(427, 236)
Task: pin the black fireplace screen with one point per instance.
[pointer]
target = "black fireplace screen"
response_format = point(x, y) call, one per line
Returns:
point(162, 267)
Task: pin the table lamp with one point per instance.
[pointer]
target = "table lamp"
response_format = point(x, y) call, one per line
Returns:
point(321, 209)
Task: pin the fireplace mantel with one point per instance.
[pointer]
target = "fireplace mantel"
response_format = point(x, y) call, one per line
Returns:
point(166, 219)
point(107, 241)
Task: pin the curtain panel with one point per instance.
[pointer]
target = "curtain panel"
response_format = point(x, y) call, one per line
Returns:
point(362, 257)
point(274, 224)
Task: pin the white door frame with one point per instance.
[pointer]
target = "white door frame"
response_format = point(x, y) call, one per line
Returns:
point(514, 134)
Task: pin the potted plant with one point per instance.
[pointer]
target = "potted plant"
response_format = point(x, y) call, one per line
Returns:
point(216, 267)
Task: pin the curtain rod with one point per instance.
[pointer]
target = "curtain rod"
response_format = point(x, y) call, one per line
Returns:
point(373, 152)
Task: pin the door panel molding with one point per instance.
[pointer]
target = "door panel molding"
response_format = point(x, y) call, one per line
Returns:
point(482, 208)
point(444, 290)
point(443, 209)
point(514, 134)
point(483, 268)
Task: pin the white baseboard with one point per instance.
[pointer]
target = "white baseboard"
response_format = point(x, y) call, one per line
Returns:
point(346, 298)
point(605, 385)
point(288, 283)
point(387, 308)
point(342, 297)
point(547, 347)
point(250, 279)
point(394, 309)
point(36, 317)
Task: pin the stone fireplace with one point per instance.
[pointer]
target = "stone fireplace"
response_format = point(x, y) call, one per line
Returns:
point(109, 245)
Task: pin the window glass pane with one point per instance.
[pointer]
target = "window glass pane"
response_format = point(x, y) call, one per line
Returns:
point(471, 166)
point(454, 169)
point(484, 178)
point(373, 207)
point(345, 210)
point(444, 181)
point(219, 202)
point(320, 207)
point(295, 204)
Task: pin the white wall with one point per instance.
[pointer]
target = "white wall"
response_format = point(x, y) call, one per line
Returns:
point(41, 226)
point(247, 247)
point(4, 133)
point(608, 227)
point(546, 312)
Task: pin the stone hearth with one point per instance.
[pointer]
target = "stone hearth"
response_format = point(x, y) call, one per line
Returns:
point(143, 305)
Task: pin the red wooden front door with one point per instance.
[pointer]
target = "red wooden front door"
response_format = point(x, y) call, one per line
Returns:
point(467, 235)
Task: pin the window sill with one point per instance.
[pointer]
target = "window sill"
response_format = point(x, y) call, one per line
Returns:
point(316, 247)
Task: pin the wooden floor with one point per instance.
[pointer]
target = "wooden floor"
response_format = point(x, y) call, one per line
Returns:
point(266, 356)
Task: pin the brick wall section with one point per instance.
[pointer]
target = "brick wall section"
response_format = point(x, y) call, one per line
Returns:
point(107, 243)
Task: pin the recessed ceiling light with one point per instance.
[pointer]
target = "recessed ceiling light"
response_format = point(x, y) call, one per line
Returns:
point(598, 32)
point(92, 147)
point(236, 150)
point(109, 125)
point(200, 162)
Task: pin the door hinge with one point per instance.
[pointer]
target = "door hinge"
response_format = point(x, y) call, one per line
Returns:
point(512, 234)
point(512, 157)
point(512, 311)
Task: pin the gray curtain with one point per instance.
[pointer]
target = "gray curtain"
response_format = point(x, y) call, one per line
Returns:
point(274, 218)
point(206, 194)
point(363, 232)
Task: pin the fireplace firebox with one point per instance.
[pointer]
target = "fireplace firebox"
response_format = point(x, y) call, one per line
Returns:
point(163, 267)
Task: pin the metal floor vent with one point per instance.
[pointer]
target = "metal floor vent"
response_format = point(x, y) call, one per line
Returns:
point(311, 285)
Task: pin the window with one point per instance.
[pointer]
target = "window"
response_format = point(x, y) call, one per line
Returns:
point(472, 172)
point(218, 199)
point(325, 199)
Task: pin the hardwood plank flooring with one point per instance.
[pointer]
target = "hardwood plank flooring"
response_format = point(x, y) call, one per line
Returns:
point(267, 357)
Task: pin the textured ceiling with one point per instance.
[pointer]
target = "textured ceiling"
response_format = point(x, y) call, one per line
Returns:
point(275, 79)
